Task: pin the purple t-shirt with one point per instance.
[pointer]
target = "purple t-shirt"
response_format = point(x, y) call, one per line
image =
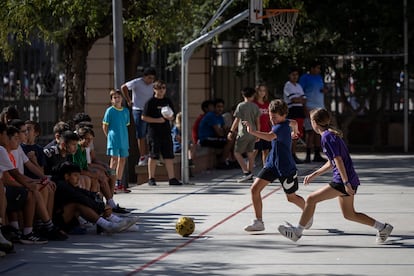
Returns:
point(334, 146)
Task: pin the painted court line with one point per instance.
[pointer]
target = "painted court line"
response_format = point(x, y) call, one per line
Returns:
point(166, 254)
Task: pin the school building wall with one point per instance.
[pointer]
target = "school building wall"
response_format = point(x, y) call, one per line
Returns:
point(100, 80)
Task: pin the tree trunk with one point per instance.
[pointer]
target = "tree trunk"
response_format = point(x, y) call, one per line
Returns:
point(75, 55)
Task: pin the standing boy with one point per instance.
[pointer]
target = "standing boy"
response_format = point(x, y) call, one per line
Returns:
point(315, 90)
point(159, 133)
point(279, 163)
point(115, 126)
point(142, 91)
point(296, 101)
point(246, 111)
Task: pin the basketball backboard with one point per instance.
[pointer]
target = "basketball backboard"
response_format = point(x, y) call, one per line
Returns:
point(256, 11)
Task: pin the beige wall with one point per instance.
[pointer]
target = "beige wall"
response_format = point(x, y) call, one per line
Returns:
point(199, 82)
point(99, 81)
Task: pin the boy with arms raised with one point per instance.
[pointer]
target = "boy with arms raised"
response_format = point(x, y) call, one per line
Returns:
point(279, 164)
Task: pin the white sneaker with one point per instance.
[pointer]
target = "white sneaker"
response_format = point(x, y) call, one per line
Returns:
point(245, 178)
point(257, 225)
point(143, 160)
point(309, 224)
point(130, 221)
point(288, 232)
point(384, 233)
point(133, 228)
point(115, 227)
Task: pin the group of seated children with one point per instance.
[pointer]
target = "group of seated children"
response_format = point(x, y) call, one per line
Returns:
point(49, 192)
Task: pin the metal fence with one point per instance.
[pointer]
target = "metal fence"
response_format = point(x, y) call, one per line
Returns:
point(370, 86)
point(32, 84)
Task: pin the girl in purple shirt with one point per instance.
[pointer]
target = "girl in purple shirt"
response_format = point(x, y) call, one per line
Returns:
point(344, 182)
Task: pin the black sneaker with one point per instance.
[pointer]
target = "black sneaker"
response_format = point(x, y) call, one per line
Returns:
point(32, 238)
point(152, 182)
point(174, 181)
point(224, 166)
point(55, 234)
point(120, 210)
point(99, 229)
point(11, 233)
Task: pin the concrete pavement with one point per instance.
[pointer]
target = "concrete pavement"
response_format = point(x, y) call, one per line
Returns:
point(219, 246)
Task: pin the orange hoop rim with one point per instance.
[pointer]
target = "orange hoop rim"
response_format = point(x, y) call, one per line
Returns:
point(273, 12)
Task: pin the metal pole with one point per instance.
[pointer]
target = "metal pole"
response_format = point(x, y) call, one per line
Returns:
point(184, 119)
point(119, 66)
point(118, 43)
point(406, 99)
point(186, 53)
point(256, 65)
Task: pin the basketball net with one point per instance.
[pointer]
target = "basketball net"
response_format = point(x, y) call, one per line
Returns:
point(282, 22)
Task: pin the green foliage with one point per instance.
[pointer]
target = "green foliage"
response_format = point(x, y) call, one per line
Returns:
point(52, 20)
point(156, 23)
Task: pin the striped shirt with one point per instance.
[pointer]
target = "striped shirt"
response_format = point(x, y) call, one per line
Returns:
point(291, 91)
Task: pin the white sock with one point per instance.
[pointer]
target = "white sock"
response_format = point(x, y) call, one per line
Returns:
point(379, 225)
point(103, 222)
point(114, 218)
point(111, 203)
point(299, 229)
point(27, 230)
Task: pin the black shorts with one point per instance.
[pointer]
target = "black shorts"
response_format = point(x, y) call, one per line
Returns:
point(161, 146)
point(341, 188)
point(16, 198)
point(263, 145)
point(214, 142)
point(290, 184)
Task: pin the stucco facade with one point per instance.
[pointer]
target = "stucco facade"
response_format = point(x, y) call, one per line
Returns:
point(100, 80)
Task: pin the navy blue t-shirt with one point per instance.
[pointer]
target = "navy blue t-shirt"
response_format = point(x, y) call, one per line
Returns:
point(280, 156)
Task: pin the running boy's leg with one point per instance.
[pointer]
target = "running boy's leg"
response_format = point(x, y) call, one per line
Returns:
point(256, 189)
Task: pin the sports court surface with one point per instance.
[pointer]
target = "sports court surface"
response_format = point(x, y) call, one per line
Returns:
point(219, 246)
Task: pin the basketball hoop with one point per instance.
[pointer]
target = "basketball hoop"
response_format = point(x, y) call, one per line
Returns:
point(282, 21)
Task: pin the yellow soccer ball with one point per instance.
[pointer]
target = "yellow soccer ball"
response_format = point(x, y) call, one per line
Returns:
point(185, 226)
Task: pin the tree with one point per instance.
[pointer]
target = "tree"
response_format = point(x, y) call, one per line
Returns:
point(327, 29)
point(75, 25)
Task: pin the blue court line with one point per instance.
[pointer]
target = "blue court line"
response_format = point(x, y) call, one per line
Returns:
point(13, 267)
